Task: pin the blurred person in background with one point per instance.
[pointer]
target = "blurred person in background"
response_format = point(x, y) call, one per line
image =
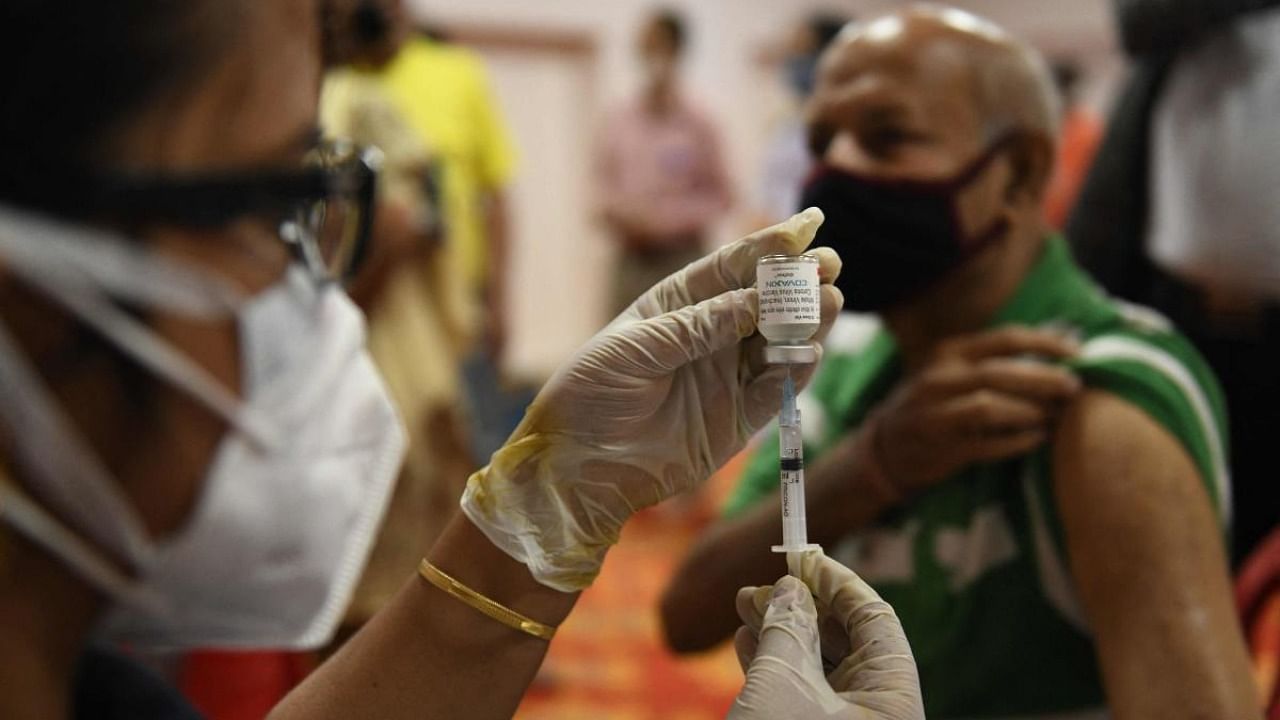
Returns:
point(1181, 209)
point(660, 176)
point(1080, 135)
point(787, 160)
point(443, 91)
point(1029, 472)
point(404, 290)
point(196, 448)
point(361, 37)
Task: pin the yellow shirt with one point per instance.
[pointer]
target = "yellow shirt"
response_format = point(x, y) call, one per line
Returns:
point(443, 92)
point(354, 106)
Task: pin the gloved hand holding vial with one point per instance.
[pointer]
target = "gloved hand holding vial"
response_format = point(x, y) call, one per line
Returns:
point(789, 316)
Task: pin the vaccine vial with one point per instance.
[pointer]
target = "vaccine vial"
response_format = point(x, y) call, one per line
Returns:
point(790, 307)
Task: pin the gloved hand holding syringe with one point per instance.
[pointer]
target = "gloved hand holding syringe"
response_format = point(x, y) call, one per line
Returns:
point(789, 316)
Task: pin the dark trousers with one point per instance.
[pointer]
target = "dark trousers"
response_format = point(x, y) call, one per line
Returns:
point(637, 270)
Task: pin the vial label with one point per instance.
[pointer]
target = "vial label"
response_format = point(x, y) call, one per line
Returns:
point(788, 293)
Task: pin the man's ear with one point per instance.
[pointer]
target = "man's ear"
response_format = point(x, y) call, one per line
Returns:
point(1032, 159)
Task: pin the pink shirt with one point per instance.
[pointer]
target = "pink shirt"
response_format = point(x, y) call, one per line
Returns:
point(662, 174)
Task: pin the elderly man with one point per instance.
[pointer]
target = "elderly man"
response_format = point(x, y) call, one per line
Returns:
point(1030, 472)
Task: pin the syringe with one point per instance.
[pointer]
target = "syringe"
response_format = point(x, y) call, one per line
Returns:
point(795, 528)
point(790, 314)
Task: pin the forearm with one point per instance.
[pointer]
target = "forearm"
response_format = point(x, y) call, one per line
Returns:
point(698, 607)
point(844, 492)
point(698, 610)
point(497, 233)
point(393, 241)
point(428, 655)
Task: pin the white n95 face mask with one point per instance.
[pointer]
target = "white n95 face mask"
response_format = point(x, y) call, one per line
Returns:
point(294, 494)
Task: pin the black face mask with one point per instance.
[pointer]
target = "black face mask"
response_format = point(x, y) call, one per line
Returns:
point(896, 237)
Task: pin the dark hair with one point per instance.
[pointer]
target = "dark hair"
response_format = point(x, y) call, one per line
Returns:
point(1066, 76)
point(370, 24)
point(77, 69)
point(672, 23)
point(435, 31)
point(825, 27)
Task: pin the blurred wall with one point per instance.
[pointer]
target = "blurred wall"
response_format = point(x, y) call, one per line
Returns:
point(554, 101)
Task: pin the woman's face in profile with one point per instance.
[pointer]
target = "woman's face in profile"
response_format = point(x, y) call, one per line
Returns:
point(253, 108)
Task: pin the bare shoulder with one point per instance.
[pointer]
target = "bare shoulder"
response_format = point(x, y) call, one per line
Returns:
point(1108, 450)
point(1147, 557)
point(1136, 514)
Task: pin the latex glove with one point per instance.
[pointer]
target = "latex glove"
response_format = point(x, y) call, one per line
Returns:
point(648, 408)
point(845, 658)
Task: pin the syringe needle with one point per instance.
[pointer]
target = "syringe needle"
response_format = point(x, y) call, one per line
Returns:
point(788, 415)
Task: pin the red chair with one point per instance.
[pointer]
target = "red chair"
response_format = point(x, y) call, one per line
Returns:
point(241, 685)
point(1258, 601)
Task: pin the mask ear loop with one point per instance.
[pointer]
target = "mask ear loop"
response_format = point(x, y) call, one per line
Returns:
point(972, 245)
point(74, 480)
point(53, 262)
point(46, 442)
point(977, 165)
point(134, 338)
point(28, 518)
point(78, 269)
point(123, 270)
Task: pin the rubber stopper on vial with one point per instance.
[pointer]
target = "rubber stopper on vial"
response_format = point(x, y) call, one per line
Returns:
point(790, 354)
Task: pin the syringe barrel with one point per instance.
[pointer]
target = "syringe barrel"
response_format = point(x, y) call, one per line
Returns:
point(791, 440)
point(794, 522)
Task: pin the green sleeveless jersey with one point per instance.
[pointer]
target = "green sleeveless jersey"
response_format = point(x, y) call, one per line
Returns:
point(976, 567)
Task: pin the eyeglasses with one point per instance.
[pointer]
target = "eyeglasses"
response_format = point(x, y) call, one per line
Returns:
point(323, 211)
point(330, 233)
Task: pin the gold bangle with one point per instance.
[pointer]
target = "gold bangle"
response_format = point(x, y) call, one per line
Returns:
point(492, 608)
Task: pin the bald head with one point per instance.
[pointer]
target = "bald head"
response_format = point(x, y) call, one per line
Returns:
point(1006, 80)
point(1014, 85)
